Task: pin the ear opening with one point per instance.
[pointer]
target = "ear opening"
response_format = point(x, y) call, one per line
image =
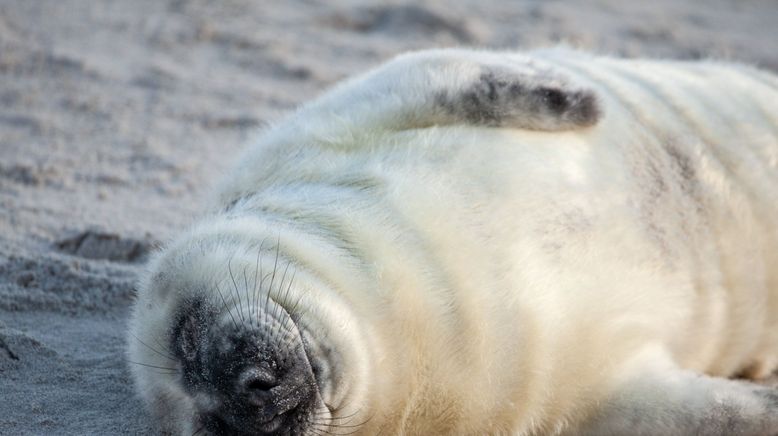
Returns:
point(189, 330)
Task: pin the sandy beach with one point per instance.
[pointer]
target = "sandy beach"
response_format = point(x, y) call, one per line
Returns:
point(117, 118)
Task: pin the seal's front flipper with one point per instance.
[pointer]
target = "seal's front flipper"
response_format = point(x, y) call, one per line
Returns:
point(502, 97)
point(680, 403)
point(453, 87)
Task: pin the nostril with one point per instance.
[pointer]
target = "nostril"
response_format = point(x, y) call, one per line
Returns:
point(255, 380)
point(260, 385)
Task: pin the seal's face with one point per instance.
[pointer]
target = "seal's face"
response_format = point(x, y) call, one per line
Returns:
point(248, 374)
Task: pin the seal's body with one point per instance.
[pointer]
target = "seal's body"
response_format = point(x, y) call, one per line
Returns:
point(484, 243)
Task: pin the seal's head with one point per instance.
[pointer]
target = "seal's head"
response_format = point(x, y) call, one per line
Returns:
point(220, 345)
point(247, 373)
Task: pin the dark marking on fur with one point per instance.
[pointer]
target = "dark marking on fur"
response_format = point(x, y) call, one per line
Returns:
point(511, 100)
point(654, 188)
point(682, 162)
point(667, 178)
point(554, 99)
point(231, 204)
point(687, 174)
point(558, 231)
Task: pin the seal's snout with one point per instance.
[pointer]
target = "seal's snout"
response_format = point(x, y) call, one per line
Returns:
point(250, 378)
point(263, 388)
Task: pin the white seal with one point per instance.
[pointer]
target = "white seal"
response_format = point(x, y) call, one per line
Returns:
point(467, 242)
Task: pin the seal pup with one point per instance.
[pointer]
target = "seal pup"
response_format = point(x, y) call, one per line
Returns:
point(473, 242)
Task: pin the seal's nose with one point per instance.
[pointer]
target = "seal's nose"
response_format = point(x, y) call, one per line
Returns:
point(272, 394)
point(257, 380)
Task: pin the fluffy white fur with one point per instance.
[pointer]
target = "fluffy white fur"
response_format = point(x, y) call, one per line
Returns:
point(534, 278)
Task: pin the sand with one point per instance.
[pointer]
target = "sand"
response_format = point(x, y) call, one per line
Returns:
point(116, 118)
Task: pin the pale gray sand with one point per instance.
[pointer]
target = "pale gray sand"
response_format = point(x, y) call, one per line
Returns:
point(116, 117)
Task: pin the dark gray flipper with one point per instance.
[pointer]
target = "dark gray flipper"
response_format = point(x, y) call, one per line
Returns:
point(503, 99)
point(454, 87)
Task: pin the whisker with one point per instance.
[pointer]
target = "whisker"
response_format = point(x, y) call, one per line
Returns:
point(316, 431)
point(246, 290)
point(153, 349)
point(273, 277)
point(175, 370)
point(333, 427)
point(163, 347)
point(237, 292)
point(277, 309)
point(261, 284)
point(218, 289)
point(292, 311)
point(345, 424)
point(288, 339)
point(296, 303)
point(292, 336)
point(355, 426)
point(257, 274)
point(348, 425)
point(341, 417)
point(320, 430)
point(285, 298)
point(262, 279)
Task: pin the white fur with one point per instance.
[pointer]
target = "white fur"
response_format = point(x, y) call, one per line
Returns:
point(479, 280)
